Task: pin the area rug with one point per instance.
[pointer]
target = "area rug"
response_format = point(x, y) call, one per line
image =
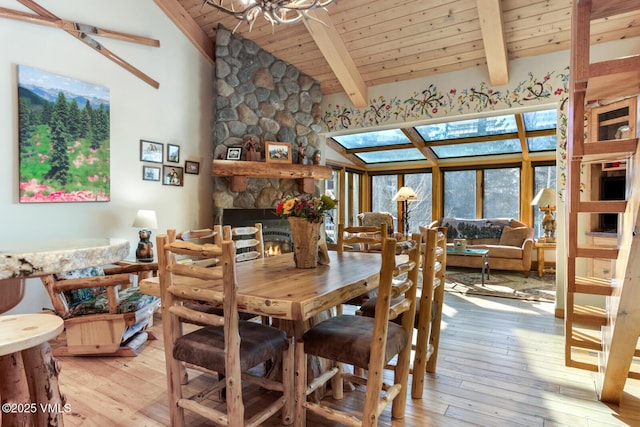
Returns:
point(503, 284)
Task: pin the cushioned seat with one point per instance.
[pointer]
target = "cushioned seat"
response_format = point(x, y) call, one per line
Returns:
point(332, 338)
point(205, 347)
point(103, 312)
point(130, 299)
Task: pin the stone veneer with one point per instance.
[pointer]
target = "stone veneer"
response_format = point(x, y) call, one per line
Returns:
point(261, 96)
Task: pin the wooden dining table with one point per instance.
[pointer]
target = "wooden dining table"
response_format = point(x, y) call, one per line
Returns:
point(274, 287)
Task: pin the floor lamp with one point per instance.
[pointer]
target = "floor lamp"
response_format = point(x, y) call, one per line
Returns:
point(405, 195)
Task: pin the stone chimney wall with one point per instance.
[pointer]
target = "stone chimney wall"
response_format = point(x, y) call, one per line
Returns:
point(260, 96)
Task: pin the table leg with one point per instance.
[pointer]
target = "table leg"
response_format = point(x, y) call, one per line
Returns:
point(42, 375)
point(540, 261)
point(14, 391)
point(486, 269)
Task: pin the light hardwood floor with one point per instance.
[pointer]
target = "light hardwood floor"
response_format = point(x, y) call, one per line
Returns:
point(500, 364)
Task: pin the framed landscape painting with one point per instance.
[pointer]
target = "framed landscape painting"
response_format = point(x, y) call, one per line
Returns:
point(64, 139)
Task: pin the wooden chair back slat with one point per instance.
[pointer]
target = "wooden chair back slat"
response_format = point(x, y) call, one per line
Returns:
point(246, 237)
point(360, 235)
point(196, 316)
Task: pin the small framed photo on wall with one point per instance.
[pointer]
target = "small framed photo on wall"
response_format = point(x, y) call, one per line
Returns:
point(150, 173)
point(151, 151)
point(173, 153)
point(234, 153)
point(172, 175)
point(278, 152)
point(192, 167)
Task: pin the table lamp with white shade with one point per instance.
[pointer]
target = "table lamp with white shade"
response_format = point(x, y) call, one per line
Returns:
point(546, 199)
point(145, 220)
point(405, 195)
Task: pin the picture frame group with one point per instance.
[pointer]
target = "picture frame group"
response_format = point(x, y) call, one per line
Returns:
point(172, 175)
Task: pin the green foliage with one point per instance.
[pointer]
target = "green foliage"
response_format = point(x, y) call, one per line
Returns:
point(57, 161)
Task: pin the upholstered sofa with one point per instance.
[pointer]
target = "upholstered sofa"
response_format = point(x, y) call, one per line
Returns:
point(509, 242)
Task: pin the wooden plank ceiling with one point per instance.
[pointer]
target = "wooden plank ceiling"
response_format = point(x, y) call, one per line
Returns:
point(386, 41)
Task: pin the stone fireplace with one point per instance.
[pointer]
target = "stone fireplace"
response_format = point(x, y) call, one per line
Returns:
point(261, 97)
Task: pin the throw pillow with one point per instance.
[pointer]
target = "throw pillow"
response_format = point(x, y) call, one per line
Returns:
point(513, 236)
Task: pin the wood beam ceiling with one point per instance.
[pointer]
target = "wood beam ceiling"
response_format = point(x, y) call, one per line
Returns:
point(495, 47)
point(181, 18)
point(326, 36)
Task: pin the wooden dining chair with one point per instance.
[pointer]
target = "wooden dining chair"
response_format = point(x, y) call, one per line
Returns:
point(224, 344)
point(367, 343)
point(428, 315)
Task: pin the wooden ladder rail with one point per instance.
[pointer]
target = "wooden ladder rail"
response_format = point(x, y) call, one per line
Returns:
point(621, 322)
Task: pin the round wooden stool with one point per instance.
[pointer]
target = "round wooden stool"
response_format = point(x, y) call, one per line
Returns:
point(28, 373)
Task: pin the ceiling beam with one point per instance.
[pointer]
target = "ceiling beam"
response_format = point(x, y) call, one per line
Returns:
point(181, 18)
point(495, 48)
point(326, 36)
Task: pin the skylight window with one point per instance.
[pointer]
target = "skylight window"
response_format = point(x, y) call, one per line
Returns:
point(469, 128)
point(540, 120)
point(473, 149)
point(486, 136)
point(381, 138)
point(401, 155)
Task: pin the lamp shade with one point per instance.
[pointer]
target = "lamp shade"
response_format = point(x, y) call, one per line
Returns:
point(545, 197)
point(405, 194)
point(145, 219)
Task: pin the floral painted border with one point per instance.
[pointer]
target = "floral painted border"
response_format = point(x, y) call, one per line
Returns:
point(433, 102)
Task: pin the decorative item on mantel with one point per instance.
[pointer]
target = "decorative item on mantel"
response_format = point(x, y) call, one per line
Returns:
point(305, 215)
point(252, 147)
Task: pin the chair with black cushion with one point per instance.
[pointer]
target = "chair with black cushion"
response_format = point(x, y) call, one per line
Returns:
point(365, 343)
point(103, 314)
point(225, 344)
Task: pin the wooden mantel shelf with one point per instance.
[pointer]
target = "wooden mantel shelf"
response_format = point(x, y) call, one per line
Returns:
point(239, 171)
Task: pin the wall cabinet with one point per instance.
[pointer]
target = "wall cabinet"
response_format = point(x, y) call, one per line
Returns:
point(613, 121)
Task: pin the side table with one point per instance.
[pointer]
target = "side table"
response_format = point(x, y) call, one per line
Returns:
point(541, 246)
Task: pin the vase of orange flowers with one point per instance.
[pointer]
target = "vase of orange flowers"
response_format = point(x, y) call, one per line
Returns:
point(305, 215)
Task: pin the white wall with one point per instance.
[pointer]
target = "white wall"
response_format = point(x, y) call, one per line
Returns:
point(179, 112)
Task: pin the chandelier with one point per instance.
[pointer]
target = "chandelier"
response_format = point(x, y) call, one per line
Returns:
point(275, 11)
